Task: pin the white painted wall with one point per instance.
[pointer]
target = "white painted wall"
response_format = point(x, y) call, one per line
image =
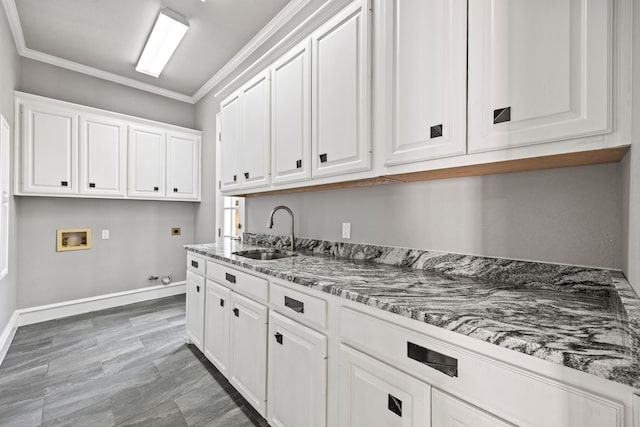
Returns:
point(140, 243)
point(567, 215)
point(205, 227)
point(631, 176)
point(9, 75)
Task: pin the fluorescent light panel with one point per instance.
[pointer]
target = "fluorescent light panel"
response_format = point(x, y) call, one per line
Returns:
point(168, 31)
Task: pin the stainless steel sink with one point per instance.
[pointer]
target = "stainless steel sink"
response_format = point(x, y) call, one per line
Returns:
point(264, 255)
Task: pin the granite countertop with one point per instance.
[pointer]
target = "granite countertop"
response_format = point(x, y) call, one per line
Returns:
point(582, 318)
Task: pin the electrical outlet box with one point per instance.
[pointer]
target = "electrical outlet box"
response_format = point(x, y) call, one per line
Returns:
point(175, 231)
point(105, 234)
point(346, 230)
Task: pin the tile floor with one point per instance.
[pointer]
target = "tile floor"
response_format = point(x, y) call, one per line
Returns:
point(125, 366)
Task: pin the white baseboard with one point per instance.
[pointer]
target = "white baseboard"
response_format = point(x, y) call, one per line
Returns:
point(27, 316)
point(7, 335)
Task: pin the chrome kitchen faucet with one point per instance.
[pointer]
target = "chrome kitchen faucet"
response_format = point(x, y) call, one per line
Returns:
point(270, 224)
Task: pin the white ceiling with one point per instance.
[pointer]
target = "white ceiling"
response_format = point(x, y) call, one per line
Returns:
point(108, 35)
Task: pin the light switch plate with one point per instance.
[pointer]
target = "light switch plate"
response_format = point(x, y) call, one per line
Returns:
point(105, 234)
point(346, 230)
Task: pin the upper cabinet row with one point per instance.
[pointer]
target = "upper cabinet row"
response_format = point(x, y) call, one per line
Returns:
point(454, 83)
point(69, 150)
point(306, 115)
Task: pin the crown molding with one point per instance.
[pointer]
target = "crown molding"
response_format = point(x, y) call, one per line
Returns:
point(284, 16)
point(14, 23)
point(105, 75)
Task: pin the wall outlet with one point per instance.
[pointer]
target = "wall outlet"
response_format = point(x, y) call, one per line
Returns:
point(175, 231)
point(346, 230)
point(105, 234)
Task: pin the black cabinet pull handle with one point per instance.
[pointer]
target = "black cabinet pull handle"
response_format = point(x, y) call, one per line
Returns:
point(197, 288)
point(236, 312)
point(394, 405)
point(235, 178)
point(438, 361)
point(501, 115)
point(323, 158)
point(221, 302)
point(246, 175)
point(64, 183)
point(278, 336)
point(156, 189)
point(436, 131)
point(175, 190)
point(194, 263)
point(230, 278)
point(295, 305)
point(92, 185)
point(298, 164)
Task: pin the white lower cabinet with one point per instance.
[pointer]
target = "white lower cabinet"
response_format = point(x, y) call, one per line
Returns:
point(248, 350)
point(195, 309)
point(449, 411)
point(216, 326)
point(373, 394)
point(297, 374)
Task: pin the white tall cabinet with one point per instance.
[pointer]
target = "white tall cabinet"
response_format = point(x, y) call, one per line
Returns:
point(103, 145)
point(49, 149)
point(539, 71)
point(291, 116)
point(340, 93)
point(426, 78)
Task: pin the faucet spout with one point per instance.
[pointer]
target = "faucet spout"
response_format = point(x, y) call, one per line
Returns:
point(270, 223)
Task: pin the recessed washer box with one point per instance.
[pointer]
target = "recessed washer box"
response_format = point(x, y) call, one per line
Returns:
point(73, 239)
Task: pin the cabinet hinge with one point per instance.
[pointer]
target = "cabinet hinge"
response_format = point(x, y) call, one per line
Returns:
point(220, 137)
point(219, 185)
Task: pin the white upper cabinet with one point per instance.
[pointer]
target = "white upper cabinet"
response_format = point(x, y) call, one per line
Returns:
point(539, 71)
point(103, 143)
point(291, 116)
point(49, 149)
point(426, 78)
point(230, 124)
point(183, 166)
point(340, 93)
point(147, 161)
point(254, 157)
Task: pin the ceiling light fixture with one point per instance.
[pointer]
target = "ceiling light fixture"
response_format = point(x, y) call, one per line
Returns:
point(168, 31)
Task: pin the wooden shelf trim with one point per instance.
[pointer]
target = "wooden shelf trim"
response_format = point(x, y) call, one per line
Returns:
point(581, 158)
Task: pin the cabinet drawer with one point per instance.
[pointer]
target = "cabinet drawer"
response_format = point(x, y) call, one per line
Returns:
point(196, 264)
point(243, 283)
point(499, 388)
point(298, 306)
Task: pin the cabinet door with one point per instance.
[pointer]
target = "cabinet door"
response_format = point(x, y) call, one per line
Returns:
point(427, 77)
point(254, 156)
point(539, 71)
point(297, 374)
point(230, 135)
point(102, 156)
point(291, 116)
point(49, 149)
point(216, 329)
point(183, 171)
point(195, 309)
point(248, 351)
point(449, 411)
point(340, 93)
point(373, 394)
point(147, 162)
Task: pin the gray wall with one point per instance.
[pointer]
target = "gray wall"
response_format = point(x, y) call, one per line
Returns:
point(140, 244)
point(567, 215)
point(9, 72)
point(631, 177)
point(59, 83)
point(205, 227)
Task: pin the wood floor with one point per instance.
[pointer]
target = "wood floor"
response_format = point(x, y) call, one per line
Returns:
point(126, 366)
